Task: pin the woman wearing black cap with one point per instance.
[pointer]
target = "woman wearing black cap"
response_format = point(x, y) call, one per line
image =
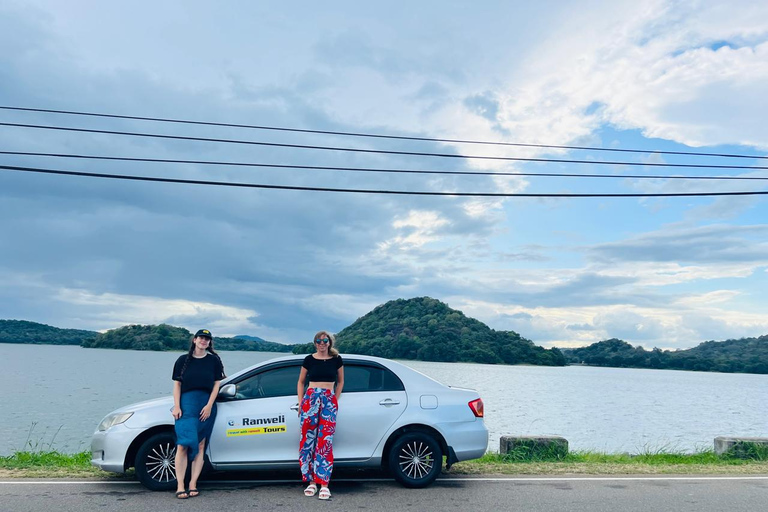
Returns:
point(196, 376)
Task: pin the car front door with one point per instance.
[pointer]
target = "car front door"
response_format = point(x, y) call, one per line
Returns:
point(259, 424)
point(373, 398)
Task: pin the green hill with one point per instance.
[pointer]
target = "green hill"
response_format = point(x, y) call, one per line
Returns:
point(426, 329)
point(168, 337)
point(143, 337)
point(746, 355)
point(21, 331)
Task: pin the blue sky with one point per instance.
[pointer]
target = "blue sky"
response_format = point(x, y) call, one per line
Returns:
point(669, 272)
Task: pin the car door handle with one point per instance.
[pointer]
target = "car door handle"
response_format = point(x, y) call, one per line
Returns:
point(389, 401)
point(295, 407)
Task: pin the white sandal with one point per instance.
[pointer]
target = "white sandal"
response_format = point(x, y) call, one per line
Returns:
point(325, 493)
point(310, 490)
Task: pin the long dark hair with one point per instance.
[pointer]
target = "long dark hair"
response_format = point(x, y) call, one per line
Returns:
point(192, 349)
point(331, 337)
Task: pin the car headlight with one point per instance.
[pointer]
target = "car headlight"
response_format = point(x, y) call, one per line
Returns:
point(114, 419)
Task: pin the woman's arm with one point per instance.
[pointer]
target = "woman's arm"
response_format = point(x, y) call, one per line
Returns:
point(205, 413)
point(176, 412)
point(339, 382)
point(300, 384)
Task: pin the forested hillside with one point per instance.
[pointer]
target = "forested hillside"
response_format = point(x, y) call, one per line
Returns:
point(748, 355)
point(168, 337)
point(426, 329)
point(21, 331)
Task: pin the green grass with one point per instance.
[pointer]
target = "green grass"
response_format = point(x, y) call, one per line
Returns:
point(651, 458)
point(50, 464)
point(660, 461)
point(53, 464)
point(52, 459)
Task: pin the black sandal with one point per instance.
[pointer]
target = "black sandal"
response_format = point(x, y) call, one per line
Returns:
point(195, 495)
point(178, 495)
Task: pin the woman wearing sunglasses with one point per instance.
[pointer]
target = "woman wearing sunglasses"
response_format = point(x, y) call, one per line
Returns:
point(317, 414)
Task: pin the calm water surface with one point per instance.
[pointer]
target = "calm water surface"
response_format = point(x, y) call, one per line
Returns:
point(56, 396)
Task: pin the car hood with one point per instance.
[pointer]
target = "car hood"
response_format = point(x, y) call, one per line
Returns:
point(164, 402)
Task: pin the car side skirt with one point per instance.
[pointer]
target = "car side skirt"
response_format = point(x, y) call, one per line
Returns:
point(271, 465)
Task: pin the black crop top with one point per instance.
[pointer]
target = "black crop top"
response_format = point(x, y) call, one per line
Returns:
point(322, 370)
point(200, 373)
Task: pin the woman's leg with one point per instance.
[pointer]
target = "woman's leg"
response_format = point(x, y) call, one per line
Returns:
point(310, 409)
point(181, 467)
point(197, 468)
point(327, 427)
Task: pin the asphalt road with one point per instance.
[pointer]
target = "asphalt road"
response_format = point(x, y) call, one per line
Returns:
point(530, 494)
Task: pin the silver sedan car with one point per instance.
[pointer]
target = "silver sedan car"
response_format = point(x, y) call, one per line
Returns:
point(389, 416)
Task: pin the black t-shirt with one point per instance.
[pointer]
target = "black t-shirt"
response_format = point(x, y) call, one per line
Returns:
point(200, 373)
point(322, 370)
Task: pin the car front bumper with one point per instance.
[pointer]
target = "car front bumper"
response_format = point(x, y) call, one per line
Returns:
point(109, 447)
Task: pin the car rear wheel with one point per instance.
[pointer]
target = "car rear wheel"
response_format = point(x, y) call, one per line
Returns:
point(415, 459)
point(156, 462)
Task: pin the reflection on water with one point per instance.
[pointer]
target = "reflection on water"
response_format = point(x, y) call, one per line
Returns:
point(53, 395)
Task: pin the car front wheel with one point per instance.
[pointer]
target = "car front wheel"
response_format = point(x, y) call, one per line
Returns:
point(156, 462)
point(415, 459)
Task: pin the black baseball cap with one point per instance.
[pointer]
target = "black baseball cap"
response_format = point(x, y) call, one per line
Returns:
point(204, 332)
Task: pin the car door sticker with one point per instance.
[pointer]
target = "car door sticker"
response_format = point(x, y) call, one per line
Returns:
point(252, 426)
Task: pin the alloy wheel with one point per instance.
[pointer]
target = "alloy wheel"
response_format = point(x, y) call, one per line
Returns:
point(161, 462)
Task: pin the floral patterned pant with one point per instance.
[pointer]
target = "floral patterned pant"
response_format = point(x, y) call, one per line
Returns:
point(318, 423)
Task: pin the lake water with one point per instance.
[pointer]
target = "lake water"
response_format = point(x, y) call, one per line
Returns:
point(56, 396)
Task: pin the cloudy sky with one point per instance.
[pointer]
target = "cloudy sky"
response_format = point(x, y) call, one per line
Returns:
point(656, 75)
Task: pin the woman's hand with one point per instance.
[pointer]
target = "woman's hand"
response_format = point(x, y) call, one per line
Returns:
point(176, 412)
point(206, 412)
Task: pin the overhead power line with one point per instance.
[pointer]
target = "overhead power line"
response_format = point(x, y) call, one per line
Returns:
point(375, 170)
point(368, 151)
point(375, 135)
point(360, 191)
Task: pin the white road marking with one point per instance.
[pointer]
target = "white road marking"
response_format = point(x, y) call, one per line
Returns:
point(363, 480)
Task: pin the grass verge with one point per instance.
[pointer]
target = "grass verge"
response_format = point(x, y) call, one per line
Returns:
point(58, 465)
point(597, 463)
point(51, 464)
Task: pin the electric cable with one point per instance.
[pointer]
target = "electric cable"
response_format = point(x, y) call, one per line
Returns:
point(362, 191)
point(376, 135)
point(367, 151)
point(379, 170)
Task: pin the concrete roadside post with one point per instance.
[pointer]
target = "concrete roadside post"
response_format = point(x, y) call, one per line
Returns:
point(549, 447)
point(742, 447)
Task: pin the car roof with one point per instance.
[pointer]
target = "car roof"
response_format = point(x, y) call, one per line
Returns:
point(402, 371)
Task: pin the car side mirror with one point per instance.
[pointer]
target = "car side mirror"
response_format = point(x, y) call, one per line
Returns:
point(228, 391)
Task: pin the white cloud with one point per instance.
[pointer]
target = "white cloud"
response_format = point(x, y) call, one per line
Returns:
point(421, 227)
point(573, 326)
point(116, 310)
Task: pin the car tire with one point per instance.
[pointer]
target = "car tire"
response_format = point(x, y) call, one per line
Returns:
point(415, 459)
point(156, 462)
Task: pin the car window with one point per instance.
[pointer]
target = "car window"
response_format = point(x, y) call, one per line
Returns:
point(360, 378)
point(275, 382)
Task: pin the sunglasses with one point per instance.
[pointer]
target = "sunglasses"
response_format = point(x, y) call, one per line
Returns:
point(322, 340)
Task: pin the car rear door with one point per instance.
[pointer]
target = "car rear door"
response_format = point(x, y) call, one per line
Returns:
point(373, 398)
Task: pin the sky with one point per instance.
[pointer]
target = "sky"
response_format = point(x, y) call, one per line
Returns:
point(667, 272)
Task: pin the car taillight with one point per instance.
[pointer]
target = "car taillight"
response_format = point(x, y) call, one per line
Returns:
point(477, 407)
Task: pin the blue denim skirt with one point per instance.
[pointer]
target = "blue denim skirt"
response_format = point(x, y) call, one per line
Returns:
point(189, 429)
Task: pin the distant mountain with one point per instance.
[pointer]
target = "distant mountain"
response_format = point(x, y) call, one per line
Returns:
point(249, 338)
point(426, 329)
point(22, 331)
point(746, 355)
